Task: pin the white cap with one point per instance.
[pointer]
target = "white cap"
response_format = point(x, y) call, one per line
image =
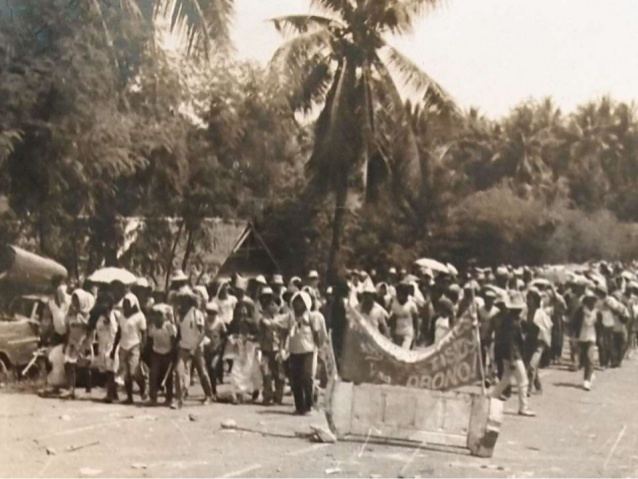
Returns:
point(313, 274)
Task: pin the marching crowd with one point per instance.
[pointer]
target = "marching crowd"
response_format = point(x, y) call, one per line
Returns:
point(261, 334)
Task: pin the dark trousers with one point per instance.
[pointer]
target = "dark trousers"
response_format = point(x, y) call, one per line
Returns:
point(214, 367)
point(605, 346)
point(618, 348)
point(160, 364)
point(301, 380)
point(273, 373)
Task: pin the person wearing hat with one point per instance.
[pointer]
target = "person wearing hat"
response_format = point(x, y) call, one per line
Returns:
point(162, 334)
point(605, 336)
point(573, 300)
point(486, 316)
point(144, 292)
point(270, 334)
point(190, 324)
point(226, 302)
point(278, 287)
point(444, 318)
point(585, 325)
point(314, 284)
point(131, 338)
point(538, 338)
point(295, 284)
point(304, 338)
point(631, 301)
point(513, 364)
point(372, 311)
point(215, 331)
point(404, 316)
point(56, 311)
point(106, 361)
point(178, 280)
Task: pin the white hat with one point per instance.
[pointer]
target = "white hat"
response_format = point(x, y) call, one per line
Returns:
point(261, 279)
point(241, 283)
point(305, 297)
point(178, 275)
point(369, 288)
point(202, 292)
point(186, 291)
point(313, 274)
point(278, 280)
point(392, 270)
point(266, 291)
point(142, 283)
point(212, 307)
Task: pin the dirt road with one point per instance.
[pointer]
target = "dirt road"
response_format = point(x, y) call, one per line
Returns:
point(576, 433)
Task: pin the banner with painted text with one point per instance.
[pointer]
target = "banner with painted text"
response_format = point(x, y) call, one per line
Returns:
point(370, 357)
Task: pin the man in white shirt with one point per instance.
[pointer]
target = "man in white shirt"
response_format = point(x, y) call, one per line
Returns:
point(373, 312)
point(191, 321)
point(131, 337)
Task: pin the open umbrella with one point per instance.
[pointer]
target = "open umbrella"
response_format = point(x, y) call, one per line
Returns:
point(432, 264)
point(110, 274)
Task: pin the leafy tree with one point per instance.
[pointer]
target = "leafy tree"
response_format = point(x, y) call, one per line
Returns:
point(341, 62)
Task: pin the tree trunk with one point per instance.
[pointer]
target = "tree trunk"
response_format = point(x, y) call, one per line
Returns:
point(169, 265)
point(189, 248)
point(334, 264)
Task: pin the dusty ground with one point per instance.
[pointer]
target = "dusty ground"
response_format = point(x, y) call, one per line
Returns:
point(577, 433)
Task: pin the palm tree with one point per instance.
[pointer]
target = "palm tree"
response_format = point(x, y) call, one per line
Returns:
point(339, 60)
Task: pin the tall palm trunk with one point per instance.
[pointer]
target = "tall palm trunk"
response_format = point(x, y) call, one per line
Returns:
point(334, 264)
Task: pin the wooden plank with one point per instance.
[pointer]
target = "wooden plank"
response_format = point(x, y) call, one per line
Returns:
point(485, 425)
point(341, 408)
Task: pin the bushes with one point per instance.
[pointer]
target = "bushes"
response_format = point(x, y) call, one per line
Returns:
point(496, 226)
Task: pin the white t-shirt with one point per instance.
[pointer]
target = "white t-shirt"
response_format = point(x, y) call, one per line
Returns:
point(191, 329)
point(131, 330)
point(588, 328)
point(403, 316)
point(377, 315)
point(58, 316)
point(162, 337)
point(226, 308)
point(105, 331)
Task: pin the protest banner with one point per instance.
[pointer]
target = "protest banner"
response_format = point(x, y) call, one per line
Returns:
point(370, 357)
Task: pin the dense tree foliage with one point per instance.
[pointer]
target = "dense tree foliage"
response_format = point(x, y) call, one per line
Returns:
point(100, 119)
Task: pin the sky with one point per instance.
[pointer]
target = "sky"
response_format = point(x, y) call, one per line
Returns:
point(494, 54)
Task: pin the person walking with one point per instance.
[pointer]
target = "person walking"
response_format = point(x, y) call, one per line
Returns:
point(131, 338)
point(586, 319)
point(107, 360)
point(191, 334)
point(304, 337)
point(162, 333)
point(76, 348)
point(513, 364)
point(404, 316)
point(538, 337)
point(270, 333)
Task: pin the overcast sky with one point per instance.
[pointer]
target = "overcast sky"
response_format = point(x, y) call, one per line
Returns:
point(494, 54)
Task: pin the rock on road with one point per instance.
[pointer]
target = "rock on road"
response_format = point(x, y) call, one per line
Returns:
point(576, 433)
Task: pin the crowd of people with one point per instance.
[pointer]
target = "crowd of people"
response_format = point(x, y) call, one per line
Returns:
point(260, 335)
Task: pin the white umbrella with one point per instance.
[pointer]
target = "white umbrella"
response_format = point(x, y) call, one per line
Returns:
point(110, 274)
point(432, 264)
